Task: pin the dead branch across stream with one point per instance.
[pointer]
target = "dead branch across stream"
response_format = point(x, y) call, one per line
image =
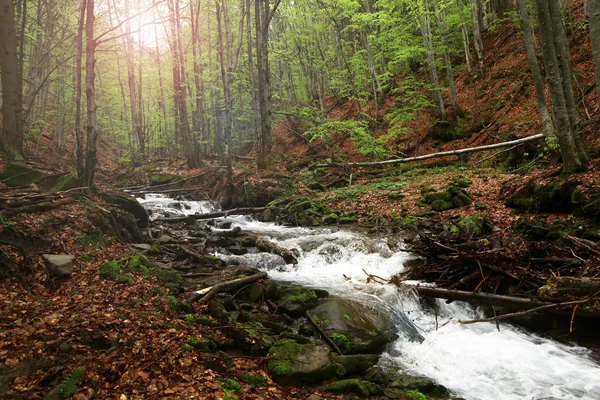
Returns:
point(508, 302)
point(217, 214)
point(208, 293)
point(434, 155)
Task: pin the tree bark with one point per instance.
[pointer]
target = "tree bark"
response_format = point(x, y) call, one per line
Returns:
point(12, 99)
point(475, 12)
point(592, 13)
point(78, 89)
point(546, 118)
point(440, 13)
point(90, 94)
point(564, 131)
point(425, 24)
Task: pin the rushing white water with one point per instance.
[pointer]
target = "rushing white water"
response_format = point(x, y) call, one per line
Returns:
point(162, 205)
point(476, 361)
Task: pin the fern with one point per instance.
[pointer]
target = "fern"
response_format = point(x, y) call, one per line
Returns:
point(70, 384)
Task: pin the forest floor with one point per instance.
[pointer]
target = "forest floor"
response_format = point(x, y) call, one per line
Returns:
point(130, 343)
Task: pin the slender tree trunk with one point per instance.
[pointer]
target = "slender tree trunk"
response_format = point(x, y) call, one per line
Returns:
point(475, 13)
point(546, 118)
point(263, 14)
point(79, 161)
point(251, 73)
point(465, 34)
point(592, 13)
point(163, 106)
point(571, 160)
point(90, 92)
point(133, 98)
point(199, 117)
point(12, 100)
point(425, 24)
point(564, 61)
point(441, 21)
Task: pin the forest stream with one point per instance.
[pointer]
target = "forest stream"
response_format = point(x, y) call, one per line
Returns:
point(476, 362)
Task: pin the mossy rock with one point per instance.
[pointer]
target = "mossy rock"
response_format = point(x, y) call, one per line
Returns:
point(66, 182)
point(297, 301)
point(354, 386)
point(292, 363)
point(162, 179)
point(348, 219)
point(126, 279)
point(110, 270)
point(357, 364)
point(446, 132)
point(169, 279)
point(18, 174)
point(203, 346)
point(476, 225)
point(139, 264)
point(555, 197)
point(442, 205)
point(129, 204)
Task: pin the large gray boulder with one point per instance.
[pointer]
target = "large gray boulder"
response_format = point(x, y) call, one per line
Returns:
point(357, 328)
point(297, 364)
point(59, 265)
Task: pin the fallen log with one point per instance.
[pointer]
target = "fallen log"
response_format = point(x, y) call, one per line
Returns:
point(526, 312)
point(217, 214)
point(269, 247)
point(570, 285)
point(204, 295)
point(434, 155)
point(508, 302)
point(39, 207)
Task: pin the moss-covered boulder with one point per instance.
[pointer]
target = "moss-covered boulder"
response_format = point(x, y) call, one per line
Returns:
point(110, 270)
point(260, 192)
point(357, 364)
point(139, 264)
point(297, 301)
point(354, 386)
point(169, 279)
point(358, 328)
point(19, 174)
point(475, 225)
point(452, 197)
point(554, 197)
point(162, 179)
point(292, 363)
point(66, 182)
point(129, 204)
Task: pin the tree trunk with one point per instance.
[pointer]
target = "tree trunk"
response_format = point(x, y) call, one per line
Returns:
point(12, 100)
point(564, 132)
point(135, 123)
point(477, 31)
point(263, 15)
point(199, 115)
point(592, 13)
point(78, 89)
point(465, 34)
point(546, 118)
point(425, 24)
point(90, 94)
point(441, 21)
point(252, 76)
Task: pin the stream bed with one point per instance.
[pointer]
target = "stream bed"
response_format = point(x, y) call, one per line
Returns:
point(476, 362)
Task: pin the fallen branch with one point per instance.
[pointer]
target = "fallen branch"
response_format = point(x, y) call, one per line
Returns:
point(435, 155)
point(526, 312)
point(218, 214)
point(509, 302)
point(208, 293)
point(39, 207)
point(325, 336)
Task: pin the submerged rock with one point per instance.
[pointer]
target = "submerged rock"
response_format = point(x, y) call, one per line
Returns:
point(357, 328)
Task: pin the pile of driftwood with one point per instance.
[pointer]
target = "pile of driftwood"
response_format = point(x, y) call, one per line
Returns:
point(500, 273)
point(28, 199)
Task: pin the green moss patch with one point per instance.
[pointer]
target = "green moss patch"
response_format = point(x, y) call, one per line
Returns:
point(19, 174)
point(354, 386)
point(110, 270)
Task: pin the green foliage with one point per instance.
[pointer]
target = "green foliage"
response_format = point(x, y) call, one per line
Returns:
point(302, 296)
point(70, 384)
point(341, 340)
point(365, 143)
